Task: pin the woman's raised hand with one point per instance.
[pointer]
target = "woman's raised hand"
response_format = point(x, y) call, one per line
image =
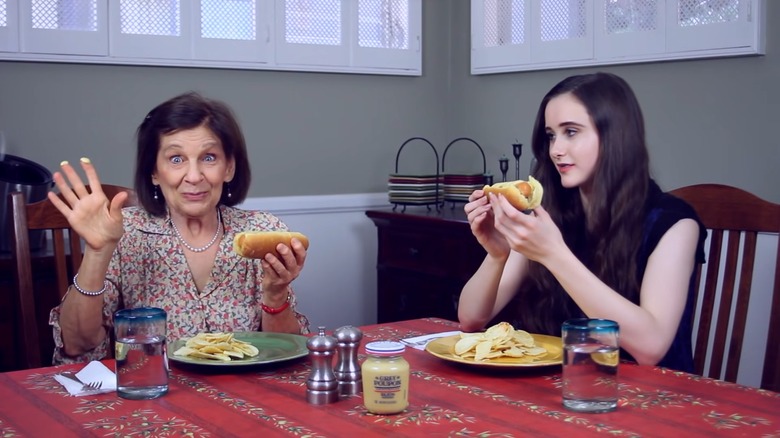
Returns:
point(480, 217)
point(535, 234)
point(95, 219)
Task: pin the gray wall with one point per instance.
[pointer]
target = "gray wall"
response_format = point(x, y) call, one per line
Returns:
point(315, 133)
point(309, 133)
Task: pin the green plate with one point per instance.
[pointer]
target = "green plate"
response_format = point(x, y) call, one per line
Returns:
point(274, 347)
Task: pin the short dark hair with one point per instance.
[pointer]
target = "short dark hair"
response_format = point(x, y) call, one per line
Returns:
point(188, 111)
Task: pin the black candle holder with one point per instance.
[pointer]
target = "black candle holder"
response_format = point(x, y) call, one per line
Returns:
point(517, 150)
point(503, 164)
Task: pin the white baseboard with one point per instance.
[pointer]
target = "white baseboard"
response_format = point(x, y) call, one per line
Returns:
point(298, 205)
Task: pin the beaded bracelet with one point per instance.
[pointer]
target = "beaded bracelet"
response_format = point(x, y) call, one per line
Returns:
point(275, 310)
point(86, 292)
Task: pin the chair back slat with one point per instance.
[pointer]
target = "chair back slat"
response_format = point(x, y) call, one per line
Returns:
point(741, 215)
point(60, 259)
point(708, 303)
point(43, 215)
point(771, 375)
point(26, 301)
point(742, 302)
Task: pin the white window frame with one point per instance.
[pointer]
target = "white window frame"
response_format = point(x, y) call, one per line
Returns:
point(62, 41)
point(9, 33)
point(725, 36)
point(190, 49)
point(669, 42)
point(409, 58)
point(637, 43)
point(151, 46)
point(503, 54)
point(215, 49)
point(300, 53)
point(570, 49)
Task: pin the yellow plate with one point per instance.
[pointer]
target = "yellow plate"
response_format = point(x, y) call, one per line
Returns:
point(444, 348)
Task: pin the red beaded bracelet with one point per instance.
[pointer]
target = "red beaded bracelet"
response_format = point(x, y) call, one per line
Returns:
point(275, 310)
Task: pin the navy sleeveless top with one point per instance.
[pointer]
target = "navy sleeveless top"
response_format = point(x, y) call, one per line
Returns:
point(663, 211)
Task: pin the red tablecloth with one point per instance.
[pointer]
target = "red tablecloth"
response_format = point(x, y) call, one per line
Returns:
point(446, 399)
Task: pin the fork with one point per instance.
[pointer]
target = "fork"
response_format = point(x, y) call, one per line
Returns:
point(420, 342)
point(91, 386)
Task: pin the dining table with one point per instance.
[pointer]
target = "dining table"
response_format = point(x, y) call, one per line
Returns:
point(446, 398)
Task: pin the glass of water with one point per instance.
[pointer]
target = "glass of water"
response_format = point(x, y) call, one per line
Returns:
point(590, 364)
point(141, 357)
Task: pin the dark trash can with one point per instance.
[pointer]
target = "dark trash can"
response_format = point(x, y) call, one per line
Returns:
point(21, 175)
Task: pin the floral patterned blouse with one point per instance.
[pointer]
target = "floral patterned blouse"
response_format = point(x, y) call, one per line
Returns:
point(148, 268)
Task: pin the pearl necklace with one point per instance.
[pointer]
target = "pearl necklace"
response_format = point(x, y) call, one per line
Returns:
point(202, 248)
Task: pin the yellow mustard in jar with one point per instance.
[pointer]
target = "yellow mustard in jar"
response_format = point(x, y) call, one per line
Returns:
point(385, 378)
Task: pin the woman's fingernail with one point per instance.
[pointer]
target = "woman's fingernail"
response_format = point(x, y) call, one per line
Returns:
point(85, 160)
point(62, 163)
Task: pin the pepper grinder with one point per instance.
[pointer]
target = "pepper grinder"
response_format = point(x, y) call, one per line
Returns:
point(348, 372)
point(321, 386)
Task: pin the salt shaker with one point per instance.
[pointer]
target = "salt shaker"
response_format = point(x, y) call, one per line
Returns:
point(321, 386)
point(348, 373)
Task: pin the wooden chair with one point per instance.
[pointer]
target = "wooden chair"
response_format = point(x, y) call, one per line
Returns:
point(43, 215)
point(739, 216)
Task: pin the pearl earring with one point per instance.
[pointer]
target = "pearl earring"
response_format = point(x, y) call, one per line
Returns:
point(155, 193)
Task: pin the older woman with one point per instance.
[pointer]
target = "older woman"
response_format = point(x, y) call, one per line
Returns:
point(175, 251)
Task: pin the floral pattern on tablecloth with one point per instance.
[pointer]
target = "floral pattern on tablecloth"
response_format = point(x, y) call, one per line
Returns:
point(7, 431)
point(145, 422)
point(530, 406)
point(414, 415)
point(278, 421)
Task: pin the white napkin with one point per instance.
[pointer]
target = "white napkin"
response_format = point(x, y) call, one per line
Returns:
point(93, 372)
point(419, 342)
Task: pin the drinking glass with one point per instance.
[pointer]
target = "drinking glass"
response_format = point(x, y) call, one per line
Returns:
point(590, 364)
point(141, 357)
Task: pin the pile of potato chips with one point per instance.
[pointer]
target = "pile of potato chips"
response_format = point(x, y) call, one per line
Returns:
point(500, 340)
point(217, 346)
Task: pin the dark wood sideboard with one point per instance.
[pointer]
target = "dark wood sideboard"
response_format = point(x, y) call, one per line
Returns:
point(424, 259)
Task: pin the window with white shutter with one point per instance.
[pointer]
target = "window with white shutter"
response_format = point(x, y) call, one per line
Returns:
point(151, 28)
point(232, 30)
point(561, 30)
point(9, 26)
point(75, 27)
point(500, 32)
point(576, 33)
point(627, 28)
point(388, 34)
point(696, 25)
point(312, 32)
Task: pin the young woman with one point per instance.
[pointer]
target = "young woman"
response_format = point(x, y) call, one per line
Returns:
point(606, 242)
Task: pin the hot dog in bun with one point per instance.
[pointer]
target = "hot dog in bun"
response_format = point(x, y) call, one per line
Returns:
point(256, 244)
point(523, 195)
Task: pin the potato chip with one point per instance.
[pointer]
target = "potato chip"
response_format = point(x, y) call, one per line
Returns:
point(500, 340)
point(217, 346)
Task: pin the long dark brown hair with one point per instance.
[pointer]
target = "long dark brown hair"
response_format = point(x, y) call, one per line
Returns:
point(607, 237)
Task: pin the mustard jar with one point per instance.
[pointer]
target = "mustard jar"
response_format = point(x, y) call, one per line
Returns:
point(385, 378)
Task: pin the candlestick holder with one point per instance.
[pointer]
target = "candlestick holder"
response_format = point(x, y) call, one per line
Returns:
point(517, 150)
point(503, 164)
